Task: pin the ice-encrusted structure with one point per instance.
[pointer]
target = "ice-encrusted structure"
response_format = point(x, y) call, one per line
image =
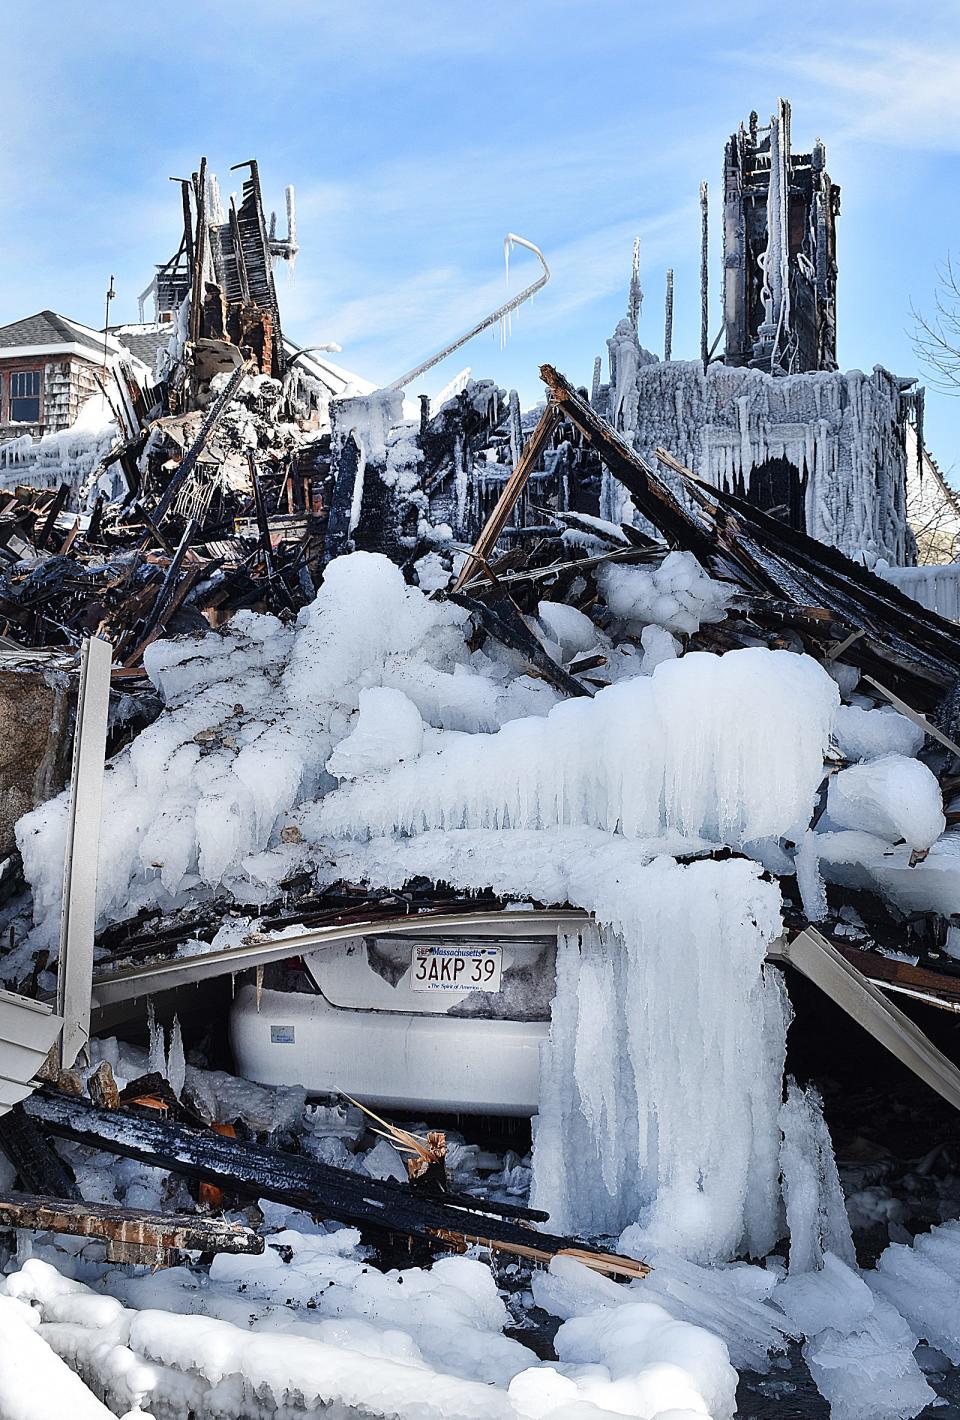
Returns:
point(936, 587)
point(670, 753)
point(828, 447)
point(393, 751)
point(68, 456)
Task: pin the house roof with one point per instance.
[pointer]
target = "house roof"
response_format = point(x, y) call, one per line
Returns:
point(46, 328)
point(144, 341)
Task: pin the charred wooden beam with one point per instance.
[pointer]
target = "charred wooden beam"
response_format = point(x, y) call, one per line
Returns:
point(56, 508)
point(39, 1167)
point(512, 489)
point(377, 1206)
point(500, 618)
point(153, 1235)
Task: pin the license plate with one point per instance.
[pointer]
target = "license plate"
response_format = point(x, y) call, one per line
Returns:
point(434, 968)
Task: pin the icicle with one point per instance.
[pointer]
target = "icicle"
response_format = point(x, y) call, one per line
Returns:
point(156, 1048)
point(176, 1067)
point(816, 1214)
point(635, 296)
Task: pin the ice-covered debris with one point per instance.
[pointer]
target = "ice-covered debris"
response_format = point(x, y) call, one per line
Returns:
point(253, 714)
point(369, 418)
point(218, 1097)
point(383, 1161)
point(862, 860)
point(569, 628)
point(816, 1217)
point(433, 575)
point(210, 1367)
point(923, 1282)
point(389, 730)
point(868, 734)
point(859, 1349)
point(697, 749)
point(660, 1085)
point(261, 1336)
point(658, 646)
point(676, 594)
point(733, 1302)
point(893, 797)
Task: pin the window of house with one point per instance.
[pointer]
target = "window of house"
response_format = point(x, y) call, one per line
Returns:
point(25, 396)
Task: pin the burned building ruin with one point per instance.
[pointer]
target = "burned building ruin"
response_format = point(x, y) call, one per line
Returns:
point(771, 419)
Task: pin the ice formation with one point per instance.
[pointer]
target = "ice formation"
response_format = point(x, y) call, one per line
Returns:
point(892, 797)
point(35, 1383)
point(676, 594)
point(253, 715)
point(656, 1108)
point(816, 1217)
point(839, 433)
point(649, 1112)
point(868, 734)
point(923, 1282)
point(858, 859)
point(674, 752)
point(68, 456)
point(859, 1349)
point(325, 1331)
point(371, 718)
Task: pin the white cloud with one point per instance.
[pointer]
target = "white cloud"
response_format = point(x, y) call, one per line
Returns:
point(897, 92)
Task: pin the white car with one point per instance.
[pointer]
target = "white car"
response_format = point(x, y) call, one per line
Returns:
point(438, 1014)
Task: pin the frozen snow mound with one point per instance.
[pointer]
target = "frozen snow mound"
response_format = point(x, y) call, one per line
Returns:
point(677, 594)
point(253, 715)
point(892, 797)
point(431, 1349)
point(698, 749)
point(868, 734)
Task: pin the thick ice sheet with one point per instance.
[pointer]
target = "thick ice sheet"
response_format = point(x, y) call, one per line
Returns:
point(699, 748)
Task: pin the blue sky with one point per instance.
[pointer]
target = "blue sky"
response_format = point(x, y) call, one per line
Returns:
point(417, 135)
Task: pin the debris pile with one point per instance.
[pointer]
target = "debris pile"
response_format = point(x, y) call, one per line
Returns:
point(400, 673)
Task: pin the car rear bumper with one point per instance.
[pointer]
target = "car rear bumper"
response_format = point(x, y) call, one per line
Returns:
point(449, 1064)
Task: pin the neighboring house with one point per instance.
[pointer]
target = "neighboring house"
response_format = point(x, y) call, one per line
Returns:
point(933, 510)
point(48, 368)
point(50, 365)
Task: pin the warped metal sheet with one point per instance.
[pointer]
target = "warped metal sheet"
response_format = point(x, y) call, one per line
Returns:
point(821, 963)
